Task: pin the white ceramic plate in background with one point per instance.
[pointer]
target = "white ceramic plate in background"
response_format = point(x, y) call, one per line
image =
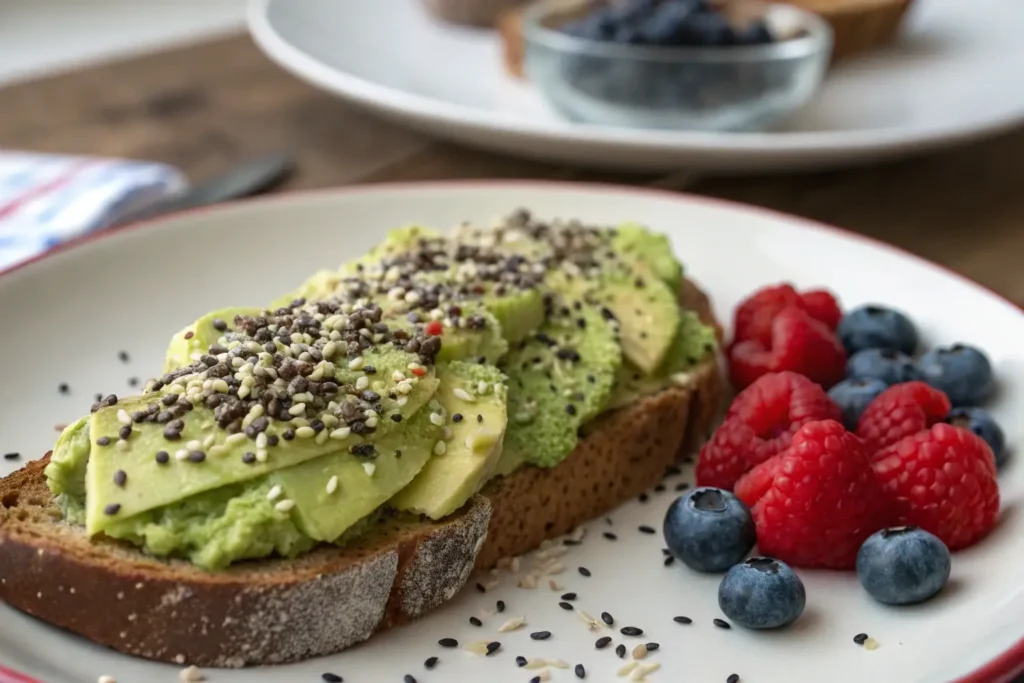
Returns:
point(66, 317)
point(952, 77)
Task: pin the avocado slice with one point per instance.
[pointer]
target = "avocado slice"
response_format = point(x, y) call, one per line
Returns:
point(398, 241)
point(201, 335)
point(642, 248)
point(647, 315)
point(477, 424)
point(519, 311)
point(558, 379)
point(334, 492)
point(487, 342)
point(178, 479)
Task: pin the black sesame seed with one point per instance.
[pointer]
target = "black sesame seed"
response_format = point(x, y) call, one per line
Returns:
point(480, 588)
point(409, 678)
point(64, 388)
point(721, 623)
point(397, 417)
point(565, 605)
point(860, 638)
point(162, 457)
point(120, 478)
point(642, 498)
point(669, 561)
point(584, 571)
point(133, 381)
point(369, 370)
point(12, 456)
point(651, 647)
point(682, 487)
point(535, 679)
point(219, 325)
point(644, 529)
point(682, 620)
point(607, 618)
point(122, 356)
point(331, 678)
point(448, 642)
point(568, 596)
point(733, 678)
point(475, 621)
point(659, 488)
point(631, 631)
point(112, 509)
point(610, 536)
point(103, 441)
point(273, 440)
point(479, 418)
point(520, 661)
point(603, 642)
point(249, 458)
point(571, 542)
point(570, 409)
point(457, 417)
point(125, 431)
point(493, 647)
point(620, 650)
point(430, 663)
point(580, 671)
point(196, 456)
point(288, 434)
point(500, 605)
point(540, 635)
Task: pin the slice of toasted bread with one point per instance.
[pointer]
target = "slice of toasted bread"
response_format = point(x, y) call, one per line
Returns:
point(275, 610)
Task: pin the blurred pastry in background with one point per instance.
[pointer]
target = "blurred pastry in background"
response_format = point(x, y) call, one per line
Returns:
point(471, 12)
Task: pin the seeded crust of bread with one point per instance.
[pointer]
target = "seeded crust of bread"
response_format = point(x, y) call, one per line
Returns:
point(275, 611)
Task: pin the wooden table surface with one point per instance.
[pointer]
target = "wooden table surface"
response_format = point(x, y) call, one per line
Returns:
point(204, 106)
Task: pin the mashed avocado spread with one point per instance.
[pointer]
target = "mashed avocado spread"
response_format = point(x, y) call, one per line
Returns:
point(398, 384)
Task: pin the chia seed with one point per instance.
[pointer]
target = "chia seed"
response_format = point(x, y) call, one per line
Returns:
point(500, 606)
point(162, 457)
point(409, 678)
point(457, 417)
point(125, 431)
point(610, 536)
point(620, 650)
point(103, 441)
point(584, 571)
point(580, 671)
point(448, 642)
point(112, 509)
point(682, 620)
point(430, 663)
point(682, 487)
point(651, 647)
point(120, 478)
point(721, 623)
point(602, 642)
point(644, 529)
point(631, 631)
point(64, 388)
point(480, 588)
point(196, 456)
point(607, 618)
point(123, 356)
point(540, 635)
point(249, 458)
point(475, 621)
point(565, 606)
point(569, 596)
point(493, 647)
point(520, 661)
point(669, 561)
point(479, 418)
point(643, 498)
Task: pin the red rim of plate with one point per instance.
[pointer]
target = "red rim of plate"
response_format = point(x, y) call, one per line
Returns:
point(999, 670)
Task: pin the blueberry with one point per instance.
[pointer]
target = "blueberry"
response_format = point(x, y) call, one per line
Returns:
point(854, 395)
point(709, 529)
point(979, 421)
point(892, 367)
point(756, 33)
point(903, 565)
point(594, 27)
point(962, 372)
point(762, 593)
point(667, 25)
point(877, 327)
point(706, 29)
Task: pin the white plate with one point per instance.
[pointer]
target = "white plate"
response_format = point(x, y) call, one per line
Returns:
point(953, 77)
point(67, 315)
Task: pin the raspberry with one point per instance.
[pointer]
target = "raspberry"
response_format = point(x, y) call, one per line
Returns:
point(753, 319)
point(799, 343)
point(760, 423)
point(942, 480)
point(754, 484)
point(900, 411)
point(823, 502)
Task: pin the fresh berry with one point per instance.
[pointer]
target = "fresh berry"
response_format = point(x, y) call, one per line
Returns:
point(979, 421)
point(760, 423)
point(900, 411)
point(942, 480)
point(877, 327)
point(752, 486)
point(903, 565)
point(892, 367)
point(709, 529)
point(853, 396)
point(962, 372)
point(762, 593)
point(824, 501)
point(799, 343)
point(754, 315)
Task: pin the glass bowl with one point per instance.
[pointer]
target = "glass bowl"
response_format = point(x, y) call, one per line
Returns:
point(729, 88)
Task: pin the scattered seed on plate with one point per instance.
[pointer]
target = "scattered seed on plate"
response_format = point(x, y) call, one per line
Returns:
point(133, 381)
point(493, 647)
point(584, 571)
point(520, 661)
point(860, 638)
point(540, 635)
point(511, 625)
point(610, 536)
point(608, 521)
point(643, 498)
point(63, 388)
point(480, 588)
point(733, 678)
point(682, 620)
point(571, 542)
point(569, 596)
point(602, 642)
point(640, 651)
point(448, 642)
point(12, 456)
point(565, 605)
point(644, 529)
point(430, 663)
point(721, 623)
point(475, 621)
point(500, 605)
point(607, 618)
point(682, 487)
point(123, 356)
point(409, 678)
point(651, 647)
point(332, 678)
point(580, 671)
point(669, 561)
point(620, 650)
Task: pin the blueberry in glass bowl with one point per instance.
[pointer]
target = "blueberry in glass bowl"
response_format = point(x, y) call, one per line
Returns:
point(701, 65)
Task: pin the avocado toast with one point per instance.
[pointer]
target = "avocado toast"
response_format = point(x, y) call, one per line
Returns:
point(305, 475)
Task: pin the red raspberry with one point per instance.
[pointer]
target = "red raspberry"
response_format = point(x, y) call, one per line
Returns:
point(942, 480)
point(760, 423)
point(754, 484)
point(823, 502)
point(799, 343)
point(753, 319)
point(900, 411)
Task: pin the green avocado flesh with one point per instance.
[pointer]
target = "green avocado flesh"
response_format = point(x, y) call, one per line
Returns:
point(402, 381)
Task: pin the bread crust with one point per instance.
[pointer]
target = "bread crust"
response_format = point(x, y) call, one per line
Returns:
point(276, 611)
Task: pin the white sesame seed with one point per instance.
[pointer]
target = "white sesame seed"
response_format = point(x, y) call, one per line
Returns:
point(511, 625)
point(402, 400)
point(481, 387)
point(372, 421)
point(627, 668)
point(217, 450)
point(535, 663)
point(557, 663)
point(297, 409)
point(261, 456)
point(643, 669)
point(397, 376)
point(244, 390)
point(412, 296)
point(121, 445)
point(330, 348)
point(341, 433)
point(237, 362)
point(871, 644)
point(106, 679)
point(554, 585)
point(440, 448)
point(446, 433)
point(261, 440)
point(191, 675)
point(589, 620)
point(285, 505)
point(369, 468)
point(303, 397)
point(180, 454)
point(551, 552)
point(274, 493)
point(332, 485)
point(123, 417)
point(305, 432)
point(322, 437)
point(234, 439)
point(513, 565)
point(554, 568)
point(220, 386)
point(462, 394)
point(194, 445)
point(329, 420)
point(528, 581)
point(436, 419)
point(404, 387)
point(356, 363)
point(362, 382)
point(208, 441)
point(640, 651)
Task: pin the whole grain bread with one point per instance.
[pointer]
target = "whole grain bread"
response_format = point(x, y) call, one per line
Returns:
point(276, 611)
